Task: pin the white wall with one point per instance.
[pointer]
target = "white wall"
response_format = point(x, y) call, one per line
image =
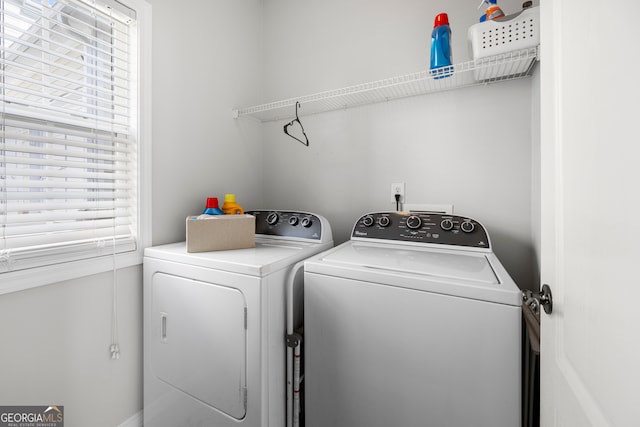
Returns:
point(207, 59)
point(55, 348)
point(471, 148)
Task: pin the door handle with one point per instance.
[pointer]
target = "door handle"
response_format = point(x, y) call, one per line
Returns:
point(546, 299)
point(163, 327)
point(535, 299)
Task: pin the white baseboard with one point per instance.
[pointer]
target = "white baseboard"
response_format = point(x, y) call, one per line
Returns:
point(134, 421)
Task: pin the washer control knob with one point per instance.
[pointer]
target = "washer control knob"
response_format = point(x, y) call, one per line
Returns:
point(272, 218)
point(414, 222)
point(467, 226)
point(293, 221)
point(367, 221)
point(384, 221)
point(306, 222)
point(446, 224)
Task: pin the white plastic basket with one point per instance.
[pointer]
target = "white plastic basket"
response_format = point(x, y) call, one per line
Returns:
point(500, 36)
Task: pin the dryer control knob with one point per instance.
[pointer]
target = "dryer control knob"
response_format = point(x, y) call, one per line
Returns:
point(293, 221)
point(446, 224)
point(368, 221)
point(467, 226)
point(272, 218)
point(384, 221)
point(414, 222)
point(306, 222)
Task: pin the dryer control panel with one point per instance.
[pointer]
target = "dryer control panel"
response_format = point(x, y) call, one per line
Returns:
point(422, 227)
point(290, 224)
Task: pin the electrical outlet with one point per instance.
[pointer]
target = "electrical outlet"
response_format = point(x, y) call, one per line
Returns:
point(397, 188)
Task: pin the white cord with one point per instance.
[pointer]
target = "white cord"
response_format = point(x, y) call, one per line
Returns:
point(114, 348)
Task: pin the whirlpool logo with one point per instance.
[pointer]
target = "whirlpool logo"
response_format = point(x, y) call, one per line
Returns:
point(32, 416)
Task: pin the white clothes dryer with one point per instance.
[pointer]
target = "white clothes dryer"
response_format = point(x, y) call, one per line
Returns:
point(215, 324)
point(412, 322)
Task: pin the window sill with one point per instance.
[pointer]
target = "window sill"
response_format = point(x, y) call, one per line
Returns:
point(14, 281)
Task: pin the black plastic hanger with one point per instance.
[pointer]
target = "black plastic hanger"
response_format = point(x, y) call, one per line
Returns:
point(286, 128)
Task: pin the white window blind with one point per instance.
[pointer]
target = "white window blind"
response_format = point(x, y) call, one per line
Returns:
point(68, 149)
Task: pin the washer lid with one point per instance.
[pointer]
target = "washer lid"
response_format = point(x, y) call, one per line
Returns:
point(467, 266)
point(460, 273)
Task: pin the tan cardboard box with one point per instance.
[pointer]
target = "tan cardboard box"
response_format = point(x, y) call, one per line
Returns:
point(220, 232)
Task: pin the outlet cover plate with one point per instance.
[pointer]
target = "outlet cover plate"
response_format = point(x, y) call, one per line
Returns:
point(428, 207)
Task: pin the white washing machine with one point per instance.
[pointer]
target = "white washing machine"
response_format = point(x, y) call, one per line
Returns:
point(412, 322)
point(215, 324)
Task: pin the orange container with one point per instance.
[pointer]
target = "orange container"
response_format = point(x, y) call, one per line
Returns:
point(230, 207)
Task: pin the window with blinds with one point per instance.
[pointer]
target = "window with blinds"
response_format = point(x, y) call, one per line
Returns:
point(68, 149)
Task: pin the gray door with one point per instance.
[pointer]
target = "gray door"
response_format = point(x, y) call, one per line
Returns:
point(199, 341)
point(590, 206)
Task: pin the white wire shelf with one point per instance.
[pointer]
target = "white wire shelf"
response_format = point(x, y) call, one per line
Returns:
point(508, 66)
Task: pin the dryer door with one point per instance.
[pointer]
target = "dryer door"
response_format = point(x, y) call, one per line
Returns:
point(199, 341)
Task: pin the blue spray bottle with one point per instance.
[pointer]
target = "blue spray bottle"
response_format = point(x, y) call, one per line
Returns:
point(440, 65)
